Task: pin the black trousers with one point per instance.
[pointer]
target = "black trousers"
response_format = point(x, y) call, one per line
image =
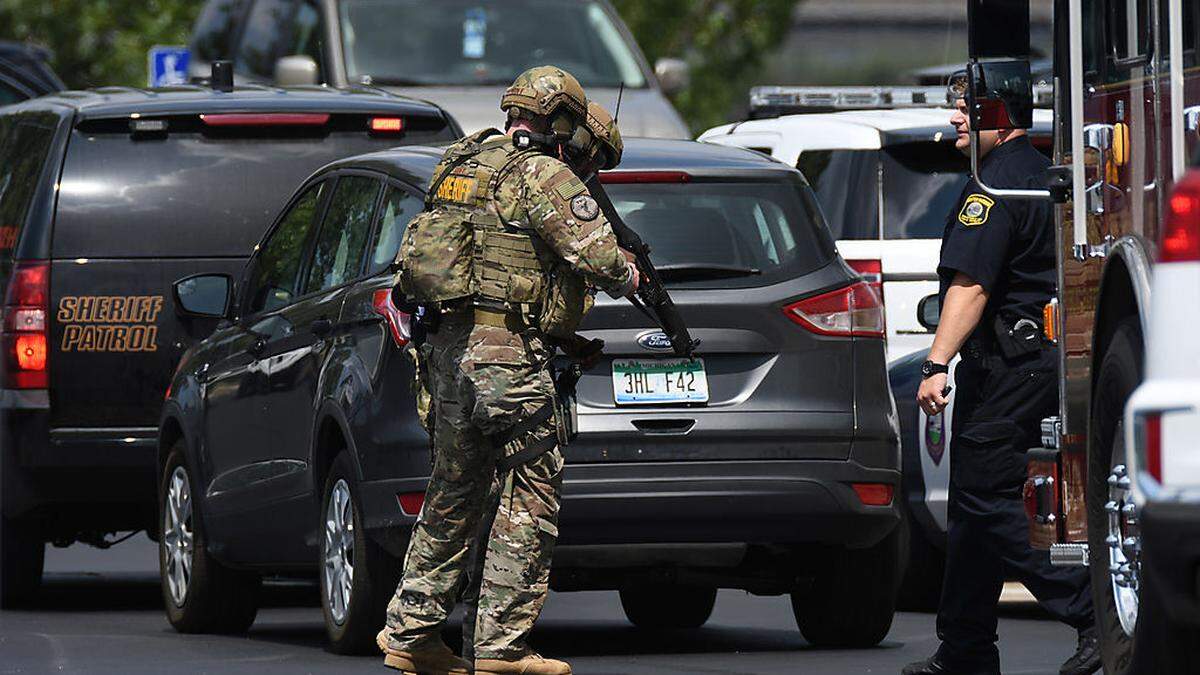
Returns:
point(997, 417)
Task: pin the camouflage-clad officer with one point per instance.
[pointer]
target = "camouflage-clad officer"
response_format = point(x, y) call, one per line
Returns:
point(508, 224)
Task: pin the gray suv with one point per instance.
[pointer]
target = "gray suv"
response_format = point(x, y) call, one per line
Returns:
point(770, 464)
point(460, 54)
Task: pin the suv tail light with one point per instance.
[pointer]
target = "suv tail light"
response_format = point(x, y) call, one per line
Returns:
point(1181, 231)
point(872, 272)
point(853, 310)
point(25, 336)
point(1147, 438)
point(399, 323)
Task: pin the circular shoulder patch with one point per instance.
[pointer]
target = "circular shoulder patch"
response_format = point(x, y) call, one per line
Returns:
point(584, 207)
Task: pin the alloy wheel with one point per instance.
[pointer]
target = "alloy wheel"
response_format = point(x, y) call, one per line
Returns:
point(339, 551)
point(178, 538)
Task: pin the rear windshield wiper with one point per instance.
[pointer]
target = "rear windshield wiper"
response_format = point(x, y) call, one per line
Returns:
point(690, 272)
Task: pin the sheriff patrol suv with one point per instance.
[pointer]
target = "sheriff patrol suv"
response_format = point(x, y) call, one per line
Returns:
point(883, 163)
point(107, 197)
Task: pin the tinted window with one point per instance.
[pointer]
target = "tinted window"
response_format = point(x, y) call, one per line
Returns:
point(212, 36)
point(273, 277)
point(338, 255)
point(263, 38)
point(921, 184)
point(1129, 28)
point(306, 37)
point(191, 194)
point(482, 42)
point(24, 144)
point(846, 183)
point(769, 231)
point(399, 207)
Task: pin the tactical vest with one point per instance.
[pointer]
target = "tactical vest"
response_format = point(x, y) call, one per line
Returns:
point(458, 247)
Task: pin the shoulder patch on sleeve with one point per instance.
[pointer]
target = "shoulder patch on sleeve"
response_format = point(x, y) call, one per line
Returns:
point(567, 190)
point(975, 210)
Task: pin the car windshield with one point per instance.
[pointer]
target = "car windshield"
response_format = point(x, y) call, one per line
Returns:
point(710, 235)
point(482, 42)
point(921, 182)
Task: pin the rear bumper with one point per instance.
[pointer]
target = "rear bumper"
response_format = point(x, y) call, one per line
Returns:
point(783, 502)
point(1171, 558)
point(74, 479)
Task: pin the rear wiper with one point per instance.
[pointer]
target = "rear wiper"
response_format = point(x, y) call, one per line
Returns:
point(684, 272)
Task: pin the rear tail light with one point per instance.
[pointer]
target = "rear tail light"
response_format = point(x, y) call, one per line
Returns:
point(873, 494)
point(872, 272)
point(24, 336)
point(1147, 429)
point(853, 310)
point(1181, 231)
point(411, 502)
point(399, 323)
point(387, 125)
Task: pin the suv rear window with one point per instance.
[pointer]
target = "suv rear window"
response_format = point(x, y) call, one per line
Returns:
point(727, 234)
point(190, 194)
point(921, 182)
point(921, 185)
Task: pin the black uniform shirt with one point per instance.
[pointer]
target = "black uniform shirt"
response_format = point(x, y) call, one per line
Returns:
point(1004, 245)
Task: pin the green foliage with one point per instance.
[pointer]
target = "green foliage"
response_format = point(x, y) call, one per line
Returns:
point(724, 41)
point(98, 42)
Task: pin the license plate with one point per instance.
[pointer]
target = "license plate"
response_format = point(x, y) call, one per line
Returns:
point(659, 381)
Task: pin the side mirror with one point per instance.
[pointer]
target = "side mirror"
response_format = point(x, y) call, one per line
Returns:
point(296, 70)
point(929, 312)
point(1000, 95)
point(203, 296)
point(674, 75)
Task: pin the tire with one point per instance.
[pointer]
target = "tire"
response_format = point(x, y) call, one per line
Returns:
point(921, 587)
point(667, 607)
point(853, 599)
point(352, 625)
point(1120, 373)
point(212, 598)
point(22, 552)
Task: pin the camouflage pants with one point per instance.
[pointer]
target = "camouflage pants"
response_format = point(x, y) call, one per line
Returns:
point(484, 380)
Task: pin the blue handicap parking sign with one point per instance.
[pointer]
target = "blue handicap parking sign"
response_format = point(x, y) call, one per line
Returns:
point(168, 65)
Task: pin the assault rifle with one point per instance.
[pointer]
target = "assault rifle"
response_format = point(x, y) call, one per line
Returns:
point(651, 297)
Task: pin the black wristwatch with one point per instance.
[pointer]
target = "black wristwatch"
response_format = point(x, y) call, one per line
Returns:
point(929, 369)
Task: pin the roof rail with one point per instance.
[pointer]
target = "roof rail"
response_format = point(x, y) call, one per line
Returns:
point(773, 101)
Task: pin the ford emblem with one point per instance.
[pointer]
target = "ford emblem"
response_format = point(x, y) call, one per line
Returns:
point(657, 341)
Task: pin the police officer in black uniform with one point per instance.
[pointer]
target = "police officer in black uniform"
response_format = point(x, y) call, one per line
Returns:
point(997, 271)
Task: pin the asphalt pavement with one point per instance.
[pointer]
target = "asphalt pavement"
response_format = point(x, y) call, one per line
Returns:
point(101, 613)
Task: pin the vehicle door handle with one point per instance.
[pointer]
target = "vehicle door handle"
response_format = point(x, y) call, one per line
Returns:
point(260, 345)
point(321, 327)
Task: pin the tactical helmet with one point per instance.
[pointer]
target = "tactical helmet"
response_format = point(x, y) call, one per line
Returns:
point(606, 135)
point(546, 91)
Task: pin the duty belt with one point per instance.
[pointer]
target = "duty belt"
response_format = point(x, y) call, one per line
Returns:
point(497, 318)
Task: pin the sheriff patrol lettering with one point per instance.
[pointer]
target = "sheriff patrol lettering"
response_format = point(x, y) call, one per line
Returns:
point(109, 323)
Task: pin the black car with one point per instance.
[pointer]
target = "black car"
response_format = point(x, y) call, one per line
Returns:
point(107, 197)
point(25, 72)
point(290, 443)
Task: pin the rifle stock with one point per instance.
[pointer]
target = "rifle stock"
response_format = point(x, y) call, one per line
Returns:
point(651, 296)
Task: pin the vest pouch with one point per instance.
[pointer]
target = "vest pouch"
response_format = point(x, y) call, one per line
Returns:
point(436, 256)
point(508, 268)
point(567, 301)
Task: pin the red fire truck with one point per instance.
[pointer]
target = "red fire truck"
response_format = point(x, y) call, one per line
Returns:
point(1127, 84)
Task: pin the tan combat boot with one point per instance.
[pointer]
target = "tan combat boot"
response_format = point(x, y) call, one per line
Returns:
point(530, 664)
point(434, 659)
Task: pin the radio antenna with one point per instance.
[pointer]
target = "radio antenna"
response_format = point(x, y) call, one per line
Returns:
point(620, 92)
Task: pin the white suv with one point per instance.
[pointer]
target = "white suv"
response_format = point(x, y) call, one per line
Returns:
point(886, 173)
